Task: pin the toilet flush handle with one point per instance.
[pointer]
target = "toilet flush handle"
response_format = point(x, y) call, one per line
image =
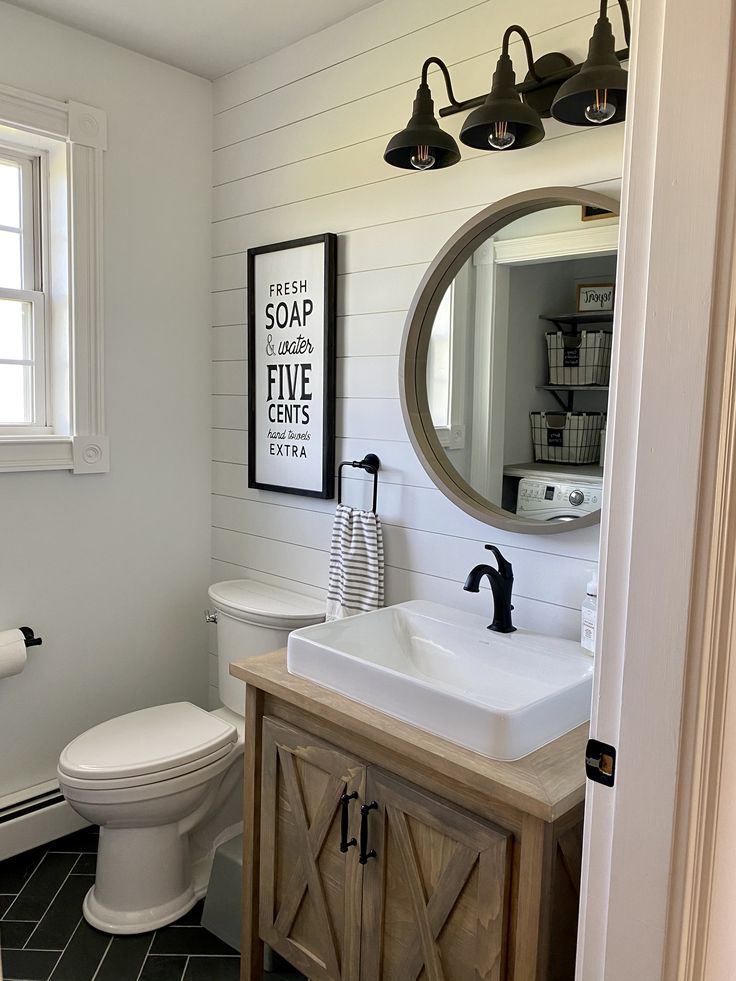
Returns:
point(210, 616)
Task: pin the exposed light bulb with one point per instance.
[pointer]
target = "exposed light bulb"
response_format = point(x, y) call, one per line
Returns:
point(502, 136)
point(422, 159)
point(600, 111)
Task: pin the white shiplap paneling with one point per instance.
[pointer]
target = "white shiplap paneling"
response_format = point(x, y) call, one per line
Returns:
point(299, 140)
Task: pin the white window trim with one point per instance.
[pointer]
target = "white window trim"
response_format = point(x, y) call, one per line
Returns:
point(84, 446)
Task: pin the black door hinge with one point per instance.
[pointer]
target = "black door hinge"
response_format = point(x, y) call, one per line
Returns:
point(600, 762)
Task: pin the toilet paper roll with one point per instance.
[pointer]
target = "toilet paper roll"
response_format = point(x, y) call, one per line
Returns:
point(12, 653)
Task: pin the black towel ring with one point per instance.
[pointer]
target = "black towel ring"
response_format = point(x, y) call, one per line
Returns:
point(371, 464)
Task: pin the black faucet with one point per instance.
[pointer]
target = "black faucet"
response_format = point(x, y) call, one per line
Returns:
point(502, 582)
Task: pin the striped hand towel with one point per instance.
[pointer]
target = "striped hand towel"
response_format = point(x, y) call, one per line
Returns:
point(356, 563)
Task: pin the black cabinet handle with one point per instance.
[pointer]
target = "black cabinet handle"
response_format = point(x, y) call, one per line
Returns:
point(344, 843)
point(365, 810)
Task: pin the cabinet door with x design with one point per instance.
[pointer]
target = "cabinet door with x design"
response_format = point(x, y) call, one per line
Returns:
point(435, 897)
point(365, 877)
point(310, 879)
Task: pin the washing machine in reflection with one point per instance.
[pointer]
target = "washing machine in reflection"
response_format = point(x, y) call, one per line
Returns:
point(552, 500)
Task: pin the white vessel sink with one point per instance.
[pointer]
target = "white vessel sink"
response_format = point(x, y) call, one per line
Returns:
point(502, 695)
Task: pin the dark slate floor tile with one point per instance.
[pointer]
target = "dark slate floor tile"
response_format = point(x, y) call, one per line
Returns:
point(282, 968)
point(212, 969)
point(163, 969)
point(15, 934)
point(61, 918)
point(86, 840)
point(28, 965)
point(188, 940)
point(15, 871)
point(193, 917)
point(124, 958)
point(82, 957)
point(5, 901)
point(285, 973)
point(86, 864)
point(41, 888)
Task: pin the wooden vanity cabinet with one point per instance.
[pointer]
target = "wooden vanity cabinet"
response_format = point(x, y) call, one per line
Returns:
point(472, 866)
point(432, 896)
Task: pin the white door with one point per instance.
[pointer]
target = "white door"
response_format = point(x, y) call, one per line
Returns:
point(671, 213)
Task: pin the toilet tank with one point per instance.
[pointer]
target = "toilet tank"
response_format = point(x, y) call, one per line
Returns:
point(255, 618)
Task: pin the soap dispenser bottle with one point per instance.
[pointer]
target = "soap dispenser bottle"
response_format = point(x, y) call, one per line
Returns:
point(589, 615)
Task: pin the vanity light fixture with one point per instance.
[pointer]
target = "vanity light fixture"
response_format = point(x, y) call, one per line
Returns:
point(510, 116)
point(597, 93)
point(503, 121)
point(423, 145)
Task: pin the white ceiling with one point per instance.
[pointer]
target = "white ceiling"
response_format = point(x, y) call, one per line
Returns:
point(207, 37)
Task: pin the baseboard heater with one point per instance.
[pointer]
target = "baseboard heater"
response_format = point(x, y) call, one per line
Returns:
point(34, 816)
point(30, 804)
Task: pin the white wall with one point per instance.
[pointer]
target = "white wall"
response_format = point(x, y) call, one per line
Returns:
point(111, 569)
point(299, 139)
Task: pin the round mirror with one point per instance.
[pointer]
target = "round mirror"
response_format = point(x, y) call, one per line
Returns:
point(506, 360)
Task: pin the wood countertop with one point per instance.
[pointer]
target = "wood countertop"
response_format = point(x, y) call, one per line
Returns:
point(547, 783)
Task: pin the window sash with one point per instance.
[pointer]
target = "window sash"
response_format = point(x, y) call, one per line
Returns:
point(31, 231)
point(30, 214)
point(38, 396)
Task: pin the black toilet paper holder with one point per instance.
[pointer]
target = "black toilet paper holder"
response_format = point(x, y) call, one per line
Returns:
point(29, 638)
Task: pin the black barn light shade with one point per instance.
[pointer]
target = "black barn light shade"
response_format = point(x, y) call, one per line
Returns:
point(596, 95)
point(504, 122)
point(422, 145)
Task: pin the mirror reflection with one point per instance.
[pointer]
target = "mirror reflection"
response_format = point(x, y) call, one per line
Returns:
point(519, 360)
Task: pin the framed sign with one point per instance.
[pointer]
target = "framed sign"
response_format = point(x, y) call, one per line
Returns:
point(595, 297)
point(292, 297)
point(589, 213)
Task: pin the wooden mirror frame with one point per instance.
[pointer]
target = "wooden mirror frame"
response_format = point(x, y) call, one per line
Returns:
point(415, 348)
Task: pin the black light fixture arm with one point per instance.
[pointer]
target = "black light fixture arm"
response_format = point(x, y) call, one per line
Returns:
point(623, 4)
point(515, 29)
point(534, 82)
point(446, 75)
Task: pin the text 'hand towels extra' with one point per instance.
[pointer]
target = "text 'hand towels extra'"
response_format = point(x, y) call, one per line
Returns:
point(356, 563)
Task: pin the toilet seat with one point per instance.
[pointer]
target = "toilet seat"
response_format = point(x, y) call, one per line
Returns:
point(120, 792)
point(145, 780)
point(146, 747)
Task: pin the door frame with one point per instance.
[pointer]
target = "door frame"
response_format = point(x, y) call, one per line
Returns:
point(662, 573)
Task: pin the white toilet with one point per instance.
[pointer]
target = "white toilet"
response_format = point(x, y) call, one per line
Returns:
point(165, 783)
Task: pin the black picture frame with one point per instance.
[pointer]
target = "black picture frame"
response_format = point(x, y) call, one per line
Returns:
point(589, 212)
point(329, 242)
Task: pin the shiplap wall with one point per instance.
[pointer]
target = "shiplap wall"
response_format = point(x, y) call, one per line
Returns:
point(298, 140)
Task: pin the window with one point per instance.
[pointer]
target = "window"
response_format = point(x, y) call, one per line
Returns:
point(51, 341)
point(22, 301)
point(446, 364)
point(439, 363)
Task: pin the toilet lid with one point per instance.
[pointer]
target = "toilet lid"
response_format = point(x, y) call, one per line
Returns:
point(266, 605)
point(150, 741)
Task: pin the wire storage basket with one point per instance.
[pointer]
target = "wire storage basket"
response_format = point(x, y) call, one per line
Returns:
point(579, 359)
point(567, 437)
